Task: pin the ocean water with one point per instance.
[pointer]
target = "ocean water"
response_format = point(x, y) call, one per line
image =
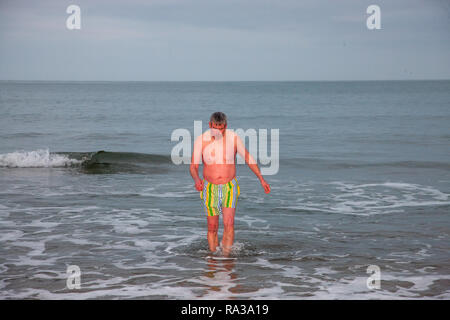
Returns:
point(87, 180)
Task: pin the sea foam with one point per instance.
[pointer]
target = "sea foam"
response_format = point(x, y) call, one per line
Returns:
point(35, 159)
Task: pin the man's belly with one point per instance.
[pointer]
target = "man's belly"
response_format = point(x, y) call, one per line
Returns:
point(219, 173)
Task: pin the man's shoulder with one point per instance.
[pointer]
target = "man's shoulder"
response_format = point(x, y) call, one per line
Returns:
point(206, 135)
point(230, 133)
point(203, 138)
point(203, 135)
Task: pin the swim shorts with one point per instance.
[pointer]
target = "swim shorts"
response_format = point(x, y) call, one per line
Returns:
point(216, 196)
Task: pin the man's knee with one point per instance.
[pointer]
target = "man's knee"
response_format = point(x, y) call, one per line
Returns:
point(213, 227)
point(228, 219)
point(228, 226)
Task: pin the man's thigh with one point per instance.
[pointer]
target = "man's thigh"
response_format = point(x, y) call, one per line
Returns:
point(228, 216)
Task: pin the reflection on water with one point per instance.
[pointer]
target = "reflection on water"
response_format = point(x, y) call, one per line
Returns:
point(221, 277)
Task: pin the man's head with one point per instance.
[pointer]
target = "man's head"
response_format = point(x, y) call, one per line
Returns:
point(218, 123)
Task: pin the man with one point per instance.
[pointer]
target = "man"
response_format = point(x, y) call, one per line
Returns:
point(219, 188)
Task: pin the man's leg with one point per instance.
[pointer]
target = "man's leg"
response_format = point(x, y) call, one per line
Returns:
point(213, 228)
point(228, 230)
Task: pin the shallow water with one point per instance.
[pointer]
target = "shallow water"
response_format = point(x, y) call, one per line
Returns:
point(364, 180)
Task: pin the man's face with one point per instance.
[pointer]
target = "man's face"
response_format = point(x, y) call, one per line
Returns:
point(217, 129)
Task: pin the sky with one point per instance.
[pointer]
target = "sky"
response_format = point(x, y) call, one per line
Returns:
point(224, 40)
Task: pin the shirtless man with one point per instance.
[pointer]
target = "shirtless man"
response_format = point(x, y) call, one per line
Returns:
point(219, 188)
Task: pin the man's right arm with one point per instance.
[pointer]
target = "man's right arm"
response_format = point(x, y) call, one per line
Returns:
point(195, 162)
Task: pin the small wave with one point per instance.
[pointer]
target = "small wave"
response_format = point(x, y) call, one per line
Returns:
point(96, 162)
point(24, 135)
point(41, 158)
point(121, 162)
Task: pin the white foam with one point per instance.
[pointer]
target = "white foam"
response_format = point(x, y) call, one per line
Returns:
point(35, 159)
point(250, 220)
point(147, 244)
point(373, 198)
point(10, 235)
point(356, 288)
point(324, 271)
point(183, 194)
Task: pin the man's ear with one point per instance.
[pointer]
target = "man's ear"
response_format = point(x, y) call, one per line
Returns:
point(210, 125)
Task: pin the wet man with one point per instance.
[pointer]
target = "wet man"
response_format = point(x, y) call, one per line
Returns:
point(219, 189)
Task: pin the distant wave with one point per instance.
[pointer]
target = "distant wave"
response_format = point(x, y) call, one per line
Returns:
point(88, 162)
point(23, 135)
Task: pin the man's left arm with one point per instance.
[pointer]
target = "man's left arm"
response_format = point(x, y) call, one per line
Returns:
point(250, 161)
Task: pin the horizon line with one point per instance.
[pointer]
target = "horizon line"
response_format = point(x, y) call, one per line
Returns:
point(354, 80)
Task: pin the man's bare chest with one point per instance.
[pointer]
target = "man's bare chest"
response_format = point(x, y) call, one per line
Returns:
point(219, 151)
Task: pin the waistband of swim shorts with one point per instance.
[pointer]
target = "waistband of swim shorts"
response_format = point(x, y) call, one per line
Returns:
point(204, 180)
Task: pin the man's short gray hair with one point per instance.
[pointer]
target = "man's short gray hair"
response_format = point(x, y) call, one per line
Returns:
point(218, 118)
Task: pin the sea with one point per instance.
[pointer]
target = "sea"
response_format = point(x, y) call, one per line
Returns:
point(93, 204)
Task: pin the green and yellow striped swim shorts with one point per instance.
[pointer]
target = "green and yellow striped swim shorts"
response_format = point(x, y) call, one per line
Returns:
point(216, 196)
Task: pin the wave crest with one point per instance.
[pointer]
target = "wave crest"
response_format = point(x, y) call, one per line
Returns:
point(88, 162)
point(41, 158)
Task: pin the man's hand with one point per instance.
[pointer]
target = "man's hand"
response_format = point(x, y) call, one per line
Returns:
point(199, 185)
point(265, 186)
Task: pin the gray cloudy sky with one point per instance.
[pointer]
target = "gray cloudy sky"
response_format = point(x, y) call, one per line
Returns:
point(224, 40)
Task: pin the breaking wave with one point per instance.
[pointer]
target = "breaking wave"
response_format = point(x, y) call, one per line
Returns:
point(88, 162)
